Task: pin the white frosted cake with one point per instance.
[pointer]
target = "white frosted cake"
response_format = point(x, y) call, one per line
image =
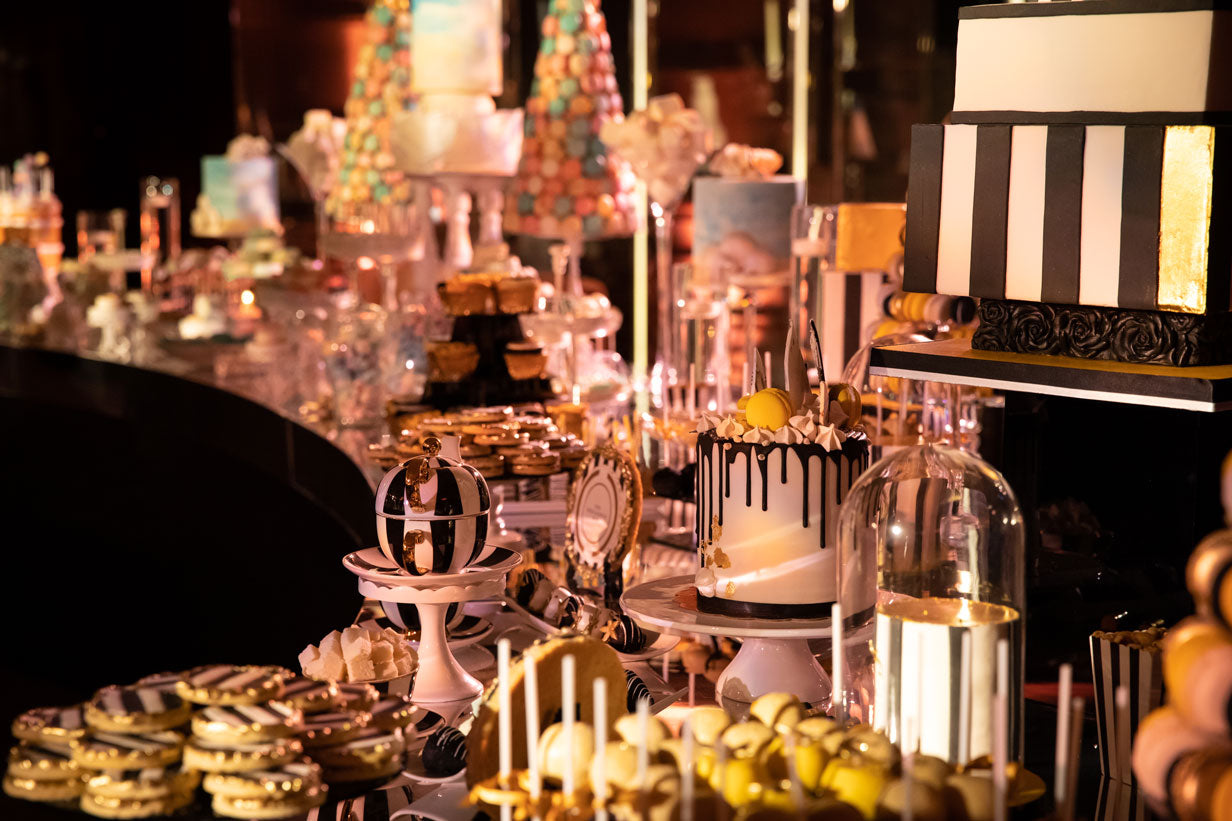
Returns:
point(770, 480)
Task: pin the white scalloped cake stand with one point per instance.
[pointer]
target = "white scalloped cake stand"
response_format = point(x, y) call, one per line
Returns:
point(774, 658)
point(439, 677)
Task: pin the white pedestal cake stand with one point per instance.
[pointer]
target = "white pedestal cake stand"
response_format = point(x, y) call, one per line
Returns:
point(439, 678)
point(774, 657)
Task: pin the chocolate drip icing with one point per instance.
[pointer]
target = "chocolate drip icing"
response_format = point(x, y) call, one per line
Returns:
point(762, 460)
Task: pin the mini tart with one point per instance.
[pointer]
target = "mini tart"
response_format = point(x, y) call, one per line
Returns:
point(486, 416)
point(247, 722)
point(572, 456)
point(357, 696)
point(53, 724)
point(29, 789)
point(451, 361)
point(278, 805)
point(470, 451)
point(535, 462)
point(142, 785)
point(42, 761)
point(393, 712)
point(323, 729)
point(370, 748)
point(537, 426)
point(136, 709)
point(525, 362)
point(464, 298)
point(286, 780)
point(229, 684)
point(489, 467)
point(310, 696)
point(104, 807)
point(516, 294)
point(214, 757)
point(117, 751)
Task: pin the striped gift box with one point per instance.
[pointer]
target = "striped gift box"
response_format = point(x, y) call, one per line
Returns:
point(1098, 215)
point(1115, 665)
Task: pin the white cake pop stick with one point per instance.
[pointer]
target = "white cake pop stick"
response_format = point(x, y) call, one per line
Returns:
point(720, 755)
point(964, 700)
point(505, 725)
point(531, 675)
point(687, 777)
point(1000, 730)
point(600, 699)
point(1064, 697)
point(838, 693)
point(1075, 758)
point(643, 742)
point(568, 699)
point(692, 689)
point(665, 670)
point(793, 773)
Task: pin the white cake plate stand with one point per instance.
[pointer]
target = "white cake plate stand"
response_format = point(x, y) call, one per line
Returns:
point(439, 678)
point(774, 656)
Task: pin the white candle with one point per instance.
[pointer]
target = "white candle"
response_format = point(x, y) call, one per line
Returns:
point(505, 727)
point(838, 693)
point(720, 754)
point(686, 784)
point(793, 773)
point(643, 742)
point(799, 92)
point(1064, 697)
point(1000, 728)
point(600, 699)
point(1075, 758)
point(531, 684)
point(568, 698)
point(964, 700)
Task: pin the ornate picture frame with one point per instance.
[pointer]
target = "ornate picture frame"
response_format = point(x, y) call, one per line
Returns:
point(603, 514)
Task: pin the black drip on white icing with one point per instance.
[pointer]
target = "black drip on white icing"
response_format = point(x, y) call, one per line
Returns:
point(855, 449)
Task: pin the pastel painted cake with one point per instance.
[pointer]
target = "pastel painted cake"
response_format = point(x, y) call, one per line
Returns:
point(1081, 183)
point(770, 479)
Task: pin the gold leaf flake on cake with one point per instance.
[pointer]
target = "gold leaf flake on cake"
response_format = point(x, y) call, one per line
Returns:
point(716, 529)
point(730, 590)
point(720, 558)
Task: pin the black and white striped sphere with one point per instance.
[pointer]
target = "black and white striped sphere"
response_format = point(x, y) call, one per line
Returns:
point(406, 616)
point(454, 523)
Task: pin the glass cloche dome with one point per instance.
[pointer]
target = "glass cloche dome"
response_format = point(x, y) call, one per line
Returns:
point(931, 544)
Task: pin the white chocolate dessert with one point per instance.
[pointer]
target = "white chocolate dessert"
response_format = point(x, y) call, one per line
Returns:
point(770, 480)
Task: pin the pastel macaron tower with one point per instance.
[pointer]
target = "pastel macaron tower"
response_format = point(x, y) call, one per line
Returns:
point(381, 87)
point(568, 184)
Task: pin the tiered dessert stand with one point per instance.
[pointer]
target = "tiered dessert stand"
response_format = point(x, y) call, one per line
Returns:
point(440, 678)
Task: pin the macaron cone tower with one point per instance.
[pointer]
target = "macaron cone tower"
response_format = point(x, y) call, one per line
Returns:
point(568, 185)
point(382, 86)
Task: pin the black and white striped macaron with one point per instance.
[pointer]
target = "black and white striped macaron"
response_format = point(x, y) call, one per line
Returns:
point(290, 778)
point(324, 729)
point(309, 695)
point(393, 712)
point(357, 696)
point(42, 761)
point(247, 722)
point(136, 709)
point(143, 785)
point(226, 757)
point(52, 724)
point(367, 747)
point(161, 681)
point(230, 684)
point(449, 529)
point(119, 751)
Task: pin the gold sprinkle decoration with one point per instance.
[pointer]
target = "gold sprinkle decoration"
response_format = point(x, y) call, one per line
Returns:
point(720, 558)
point(730, 590)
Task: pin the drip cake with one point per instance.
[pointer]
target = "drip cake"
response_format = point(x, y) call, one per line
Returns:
point(1080, 186)
point(770, 479)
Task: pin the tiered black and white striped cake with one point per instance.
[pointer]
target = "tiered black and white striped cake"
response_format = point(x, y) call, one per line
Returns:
point(1081, 186)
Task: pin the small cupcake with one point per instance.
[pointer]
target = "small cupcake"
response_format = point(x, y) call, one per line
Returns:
point(465, 295)
point(491, 466)
point(534, 461)
point(517, 294)
point(525, 360)
point(451, 361)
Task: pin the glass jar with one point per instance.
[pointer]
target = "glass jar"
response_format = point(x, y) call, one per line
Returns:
point(931, 553)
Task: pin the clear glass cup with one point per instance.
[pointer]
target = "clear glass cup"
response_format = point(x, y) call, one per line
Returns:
point(354, 352)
